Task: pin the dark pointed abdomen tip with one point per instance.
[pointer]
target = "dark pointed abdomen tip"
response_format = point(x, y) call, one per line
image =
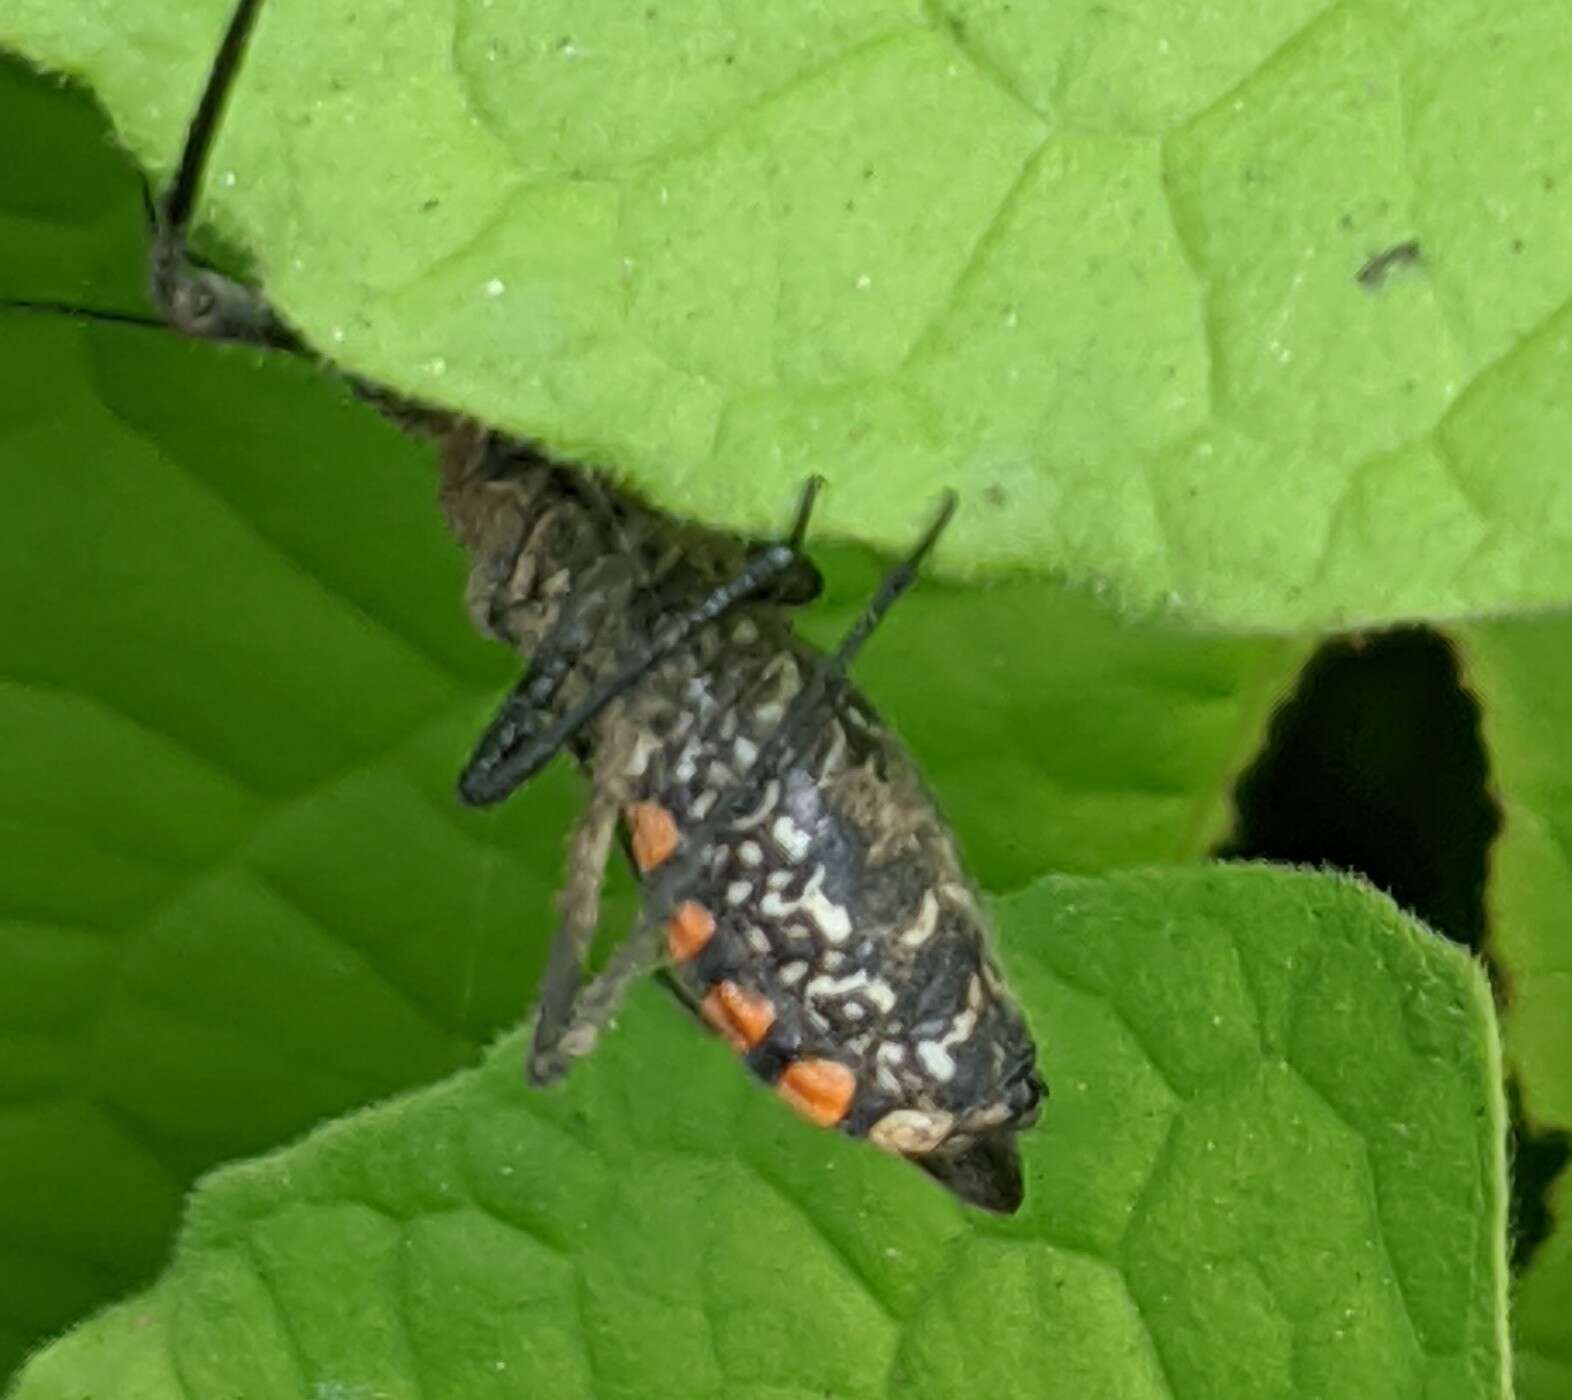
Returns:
point(985, 1173)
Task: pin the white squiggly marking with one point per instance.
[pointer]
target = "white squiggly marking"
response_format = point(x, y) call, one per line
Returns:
point(920, 930)
point(794, 842)
point(936, 1060)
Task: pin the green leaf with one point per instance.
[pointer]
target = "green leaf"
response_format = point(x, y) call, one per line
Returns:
point(237, 682)
point(1272, 1167)
point(1522, 672)
point(1541, 1305)
point(1098, 268)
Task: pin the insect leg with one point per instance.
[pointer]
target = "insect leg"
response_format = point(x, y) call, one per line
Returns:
point(493, 770)
point(195, 300)
point(526, 758)
point(589, 1009)
point(597, 1003)
point(192, 299)
point(506, 767)
point(579, 904)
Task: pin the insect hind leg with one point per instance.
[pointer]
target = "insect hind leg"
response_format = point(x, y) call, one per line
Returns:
point(801, 583)
point(807, 707)
point(579, 904)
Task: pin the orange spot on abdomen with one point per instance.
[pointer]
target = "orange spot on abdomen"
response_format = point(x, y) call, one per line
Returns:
point(743, 1017)
point(688, 929)
point(654, 832)
point(820, 1090)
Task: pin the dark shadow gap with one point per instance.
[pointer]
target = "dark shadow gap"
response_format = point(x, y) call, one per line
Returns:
point(1375, 765)
point(1535, 1160)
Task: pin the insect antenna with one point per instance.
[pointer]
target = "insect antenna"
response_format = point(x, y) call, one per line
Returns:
point(149, 206)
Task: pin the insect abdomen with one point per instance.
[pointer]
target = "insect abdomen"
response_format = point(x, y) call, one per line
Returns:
point(830, 935)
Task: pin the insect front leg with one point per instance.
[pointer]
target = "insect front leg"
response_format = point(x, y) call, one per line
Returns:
point(522, 760)
point(193, 299)
point(506, 756)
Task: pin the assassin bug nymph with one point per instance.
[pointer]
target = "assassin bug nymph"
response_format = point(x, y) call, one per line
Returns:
point(799, 884)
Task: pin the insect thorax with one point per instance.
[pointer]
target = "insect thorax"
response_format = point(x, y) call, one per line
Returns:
point(542, 537)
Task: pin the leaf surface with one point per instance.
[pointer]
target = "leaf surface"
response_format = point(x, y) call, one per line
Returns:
point(1257, 313)
point(1520, 670)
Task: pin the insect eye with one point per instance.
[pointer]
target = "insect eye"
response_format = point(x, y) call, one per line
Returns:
point(204, 300)
point(800, 584)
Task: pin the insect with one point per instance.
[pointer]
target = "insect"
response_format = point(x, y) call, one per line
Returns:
point(799, 885)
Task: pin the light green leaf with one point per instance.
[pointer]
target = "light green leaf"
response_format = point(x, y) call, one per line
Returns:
point(1272, 1167)
point(1522, 673)
point(236, 685)
point(1098, 268)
